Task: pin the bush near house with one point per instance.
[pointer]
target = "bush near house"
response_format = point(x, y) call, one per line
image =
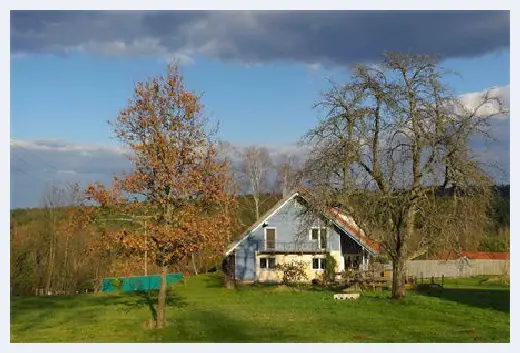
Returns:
point(293, 272)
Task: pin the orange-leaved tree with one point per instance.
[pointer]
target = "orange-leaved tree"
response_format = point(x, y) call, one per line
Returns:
point(179, 183)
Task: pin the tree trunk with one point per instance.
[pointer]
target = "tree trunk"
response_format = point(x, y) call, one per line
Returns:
point(401, 254)
point(52, 250)
point(97, 281)
point(161, 305)
point(398, 280)
point(194, 265)
point(65, 271)
point(49, 269)
point(257, 206)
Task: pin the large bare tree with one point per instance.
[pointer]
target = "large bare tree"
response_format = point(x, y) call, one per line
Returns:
point(393, 149)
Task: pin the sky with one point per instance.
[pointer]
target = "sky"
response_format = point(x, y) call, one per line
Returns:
point(260, 72)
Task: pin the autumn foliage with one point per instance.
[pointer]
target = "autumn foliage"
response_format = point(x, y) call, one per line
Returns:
point(178, 184)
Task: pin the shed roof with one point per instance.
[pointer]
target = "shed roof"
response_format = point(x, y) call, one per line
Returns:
point(474, 255)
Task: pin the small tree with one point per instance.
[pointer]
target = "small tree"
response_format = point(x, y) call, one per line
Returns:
point(178, 181)
point(329, 274)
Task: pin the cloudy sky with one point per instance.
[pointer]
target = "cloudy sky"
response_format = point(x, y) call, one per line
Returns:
point(260, 72)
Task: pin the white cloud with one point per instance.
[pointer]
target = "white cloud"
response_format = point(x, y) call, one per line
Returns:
point(37, 163)
point(472, 101)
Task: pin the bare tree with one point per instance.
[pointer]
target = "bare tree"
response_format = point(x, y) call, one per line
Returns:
point(255, 166)
point(54, 198)
point(286, 173)
point(393, 151)
point(73, 198)
point(58, 198)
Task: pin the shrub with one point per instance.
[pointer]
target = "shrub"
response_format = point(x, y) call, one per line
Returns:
point(317, 282)
point(293, 272)
point(329, 273)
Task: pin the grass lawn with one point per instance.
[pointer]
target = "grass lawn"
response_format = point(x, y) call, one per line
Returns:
point(469, 310)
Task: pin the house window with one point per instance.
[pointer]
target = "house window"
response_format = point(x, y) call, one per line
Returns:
point(270, 238)
point(320, 235)
point(319, 263)
point(268, 262)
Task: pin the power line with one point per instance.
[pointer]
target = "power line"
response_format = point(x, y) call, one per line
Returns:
point(38, 157)
point(26, 173)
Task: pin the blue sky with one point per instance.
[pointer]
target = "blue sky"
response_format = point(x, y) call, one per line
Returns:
point(72, 97)
point(260, 73)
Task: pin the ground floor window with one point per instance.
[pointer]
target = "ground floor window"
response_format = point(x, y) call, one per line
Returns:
point(268, 262)
point(318, 263)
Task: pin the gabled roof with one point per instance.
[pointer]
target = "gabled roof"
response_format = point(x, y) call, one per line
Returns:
point(347, 223)
point(261, 221)
point(339, 217)
point(474, 255)
point(482, 255)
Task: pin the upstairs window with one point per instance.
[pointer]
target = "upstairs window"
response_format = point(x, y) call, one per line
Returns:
point(270, 238)
point(320, 235)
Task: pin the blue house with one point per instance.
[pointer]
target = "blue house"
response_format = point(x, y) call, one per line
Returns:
point(281, 236)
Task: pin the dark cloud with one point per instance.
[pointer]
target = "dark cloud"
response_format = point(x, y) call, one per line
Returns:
point(311, 37)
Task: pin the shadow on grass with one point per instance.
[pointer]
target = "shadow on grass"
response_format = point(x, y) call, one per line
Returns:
point(214, 280)
point(43, 306)
point(497, 299)
point(214, 326)
point(149, 299)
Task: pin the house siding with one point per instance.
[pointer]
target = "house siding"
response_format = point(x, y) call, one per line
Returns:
point(245, 260)
point(287, 223)
point(269, 275)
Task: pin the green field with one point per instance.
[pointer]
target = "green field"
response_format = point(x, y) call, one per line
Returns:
point(470, 310)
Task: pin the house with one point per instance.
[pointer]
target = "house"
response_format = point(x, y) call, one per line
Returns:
point(280, 237)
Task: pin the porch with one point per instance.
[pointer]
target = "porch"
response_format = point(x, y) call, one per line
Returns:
point(353, 256)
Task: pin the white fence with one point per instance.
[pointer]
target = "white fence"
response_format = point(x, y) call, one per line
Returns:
point(456, 268)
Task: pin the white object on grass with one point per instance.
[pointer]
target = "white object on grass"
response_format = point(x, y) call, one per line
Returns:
point(347, 296)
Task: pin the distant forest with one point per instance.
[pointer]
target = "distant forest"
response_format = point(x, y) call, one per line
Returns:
point(47, 253)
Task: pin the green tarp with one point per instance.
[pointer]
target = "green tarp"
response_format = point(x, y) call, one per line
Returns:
point(144, 283)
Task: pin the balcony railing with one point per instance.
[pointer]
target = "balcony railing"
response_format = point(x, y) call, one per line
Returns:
point(290, 246)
